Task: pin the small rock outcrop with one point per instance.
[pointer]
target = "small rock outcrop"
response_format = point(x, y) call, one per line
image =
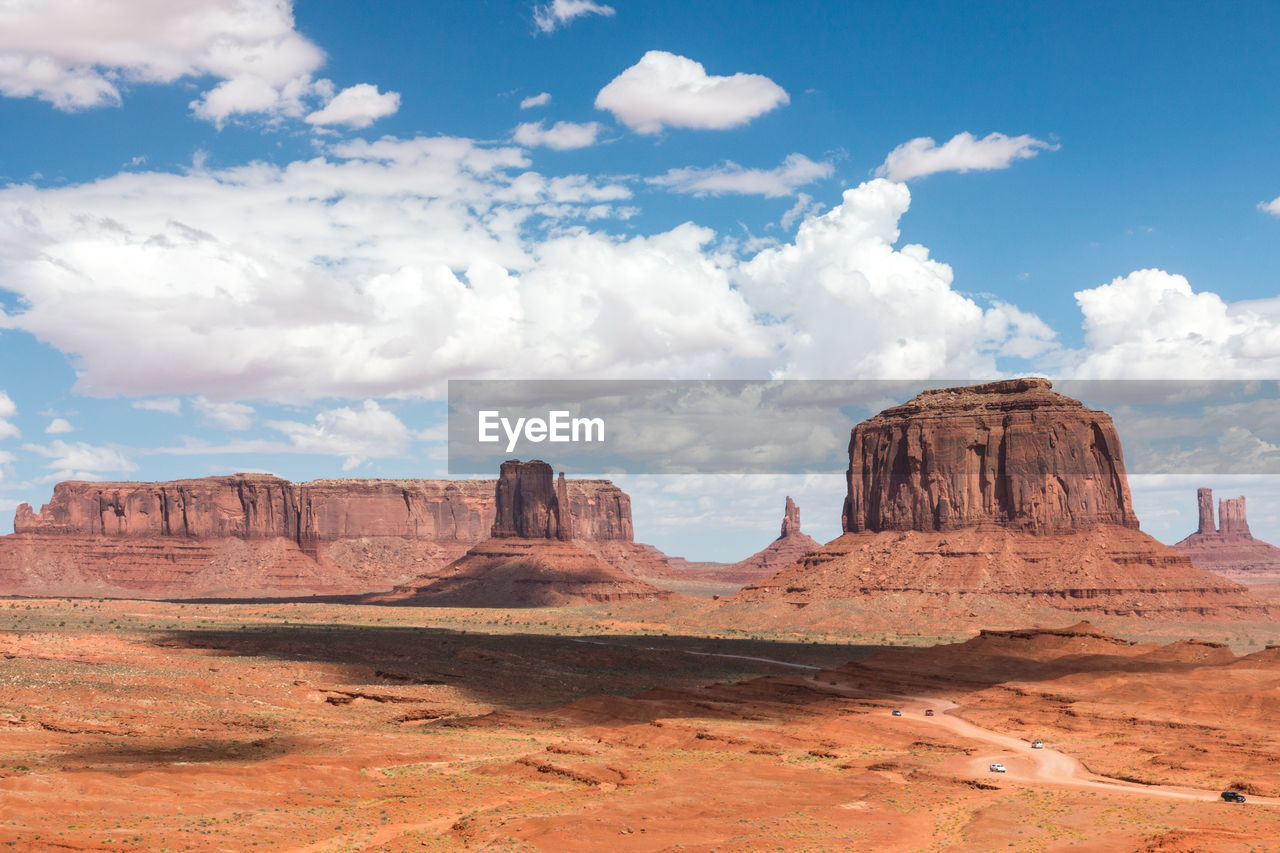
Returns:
point(790, 519)
point(994, 502)
point(1011, 453)
point(1228, 548)
point(529, 561)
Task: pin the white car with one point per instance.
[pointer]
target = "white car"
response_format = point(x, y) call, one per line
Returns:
point(997, 768)
point(1037, 744)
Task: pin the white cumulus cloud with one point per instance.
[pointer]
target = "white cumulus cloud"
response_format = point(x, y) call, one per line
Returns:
point(265, 279)
point(357, 106)
point(1151, 324)
point(795, 171)
point(59, 426)
point(357, 433)
point(666, 90)
point(1272, 207)
point(853, 305)
point(79, 55)
point(962, 153)
point(168, 405)
point(79, 460)
point(562, 136)
point(548, 17)
point(235, 416)
point(7, 410)
point(539, 100)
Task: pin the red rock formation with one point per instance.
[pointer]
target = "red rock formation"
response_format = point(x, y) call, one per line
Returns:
point(1231, 549)
point(529, 561)
point(790, 546)
point(1204, 499)
point(1231, 517)
point(254, 534)
point(1012, 453)
point(790, 519)
point(530, 504)
point(517, 572)
point(993, 502)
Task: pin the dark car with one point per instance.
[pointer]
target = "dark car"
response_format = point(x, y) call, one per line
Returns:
point(1233, 796)
point(929, 713)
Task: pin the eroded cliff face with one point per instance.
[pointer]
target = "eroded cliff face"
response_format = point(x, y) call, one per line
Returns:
point(259, 506)
point(993, 502)
point(1012, 453)
point(253, 535)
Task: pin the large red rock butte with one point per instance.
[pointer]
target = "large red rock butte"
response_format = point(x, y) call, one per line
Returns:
point(252, 535)
point(1229, 549)
point(1013, 453)
point(529, 560)
point(994, 503)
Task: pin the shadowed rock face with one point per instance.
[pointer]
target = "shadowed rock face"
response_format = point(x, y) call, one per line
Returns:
point(530, 560)
point(530, 504)
point(1011, 453)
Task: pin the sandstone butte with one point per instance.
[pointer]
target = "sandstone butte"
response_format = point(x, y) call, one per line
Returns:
point(792, 544)
point(252, 535)
point(1229, 549)
point(995, 504)
point(529, 560)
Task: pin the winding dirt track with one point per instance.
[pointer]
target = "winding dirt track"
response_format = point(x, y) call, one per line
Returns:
point(1036, 766)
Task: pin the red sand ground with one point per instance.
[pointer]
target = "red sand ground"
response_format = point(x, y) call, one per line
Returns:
point(141, 725)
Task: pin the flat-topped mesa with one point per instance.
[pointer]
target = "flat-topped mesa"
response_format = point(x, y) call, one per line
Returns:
point(1231, 517)
point(530, 504)
point(1013, 453)
point(261, 506)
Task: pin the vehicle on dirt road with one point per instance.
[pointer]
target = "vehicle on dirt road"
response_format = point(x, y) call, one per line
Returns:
point(929, 713)
point(1233, 796)
point(1037, 744)
point(997, 768)
point(897, 713)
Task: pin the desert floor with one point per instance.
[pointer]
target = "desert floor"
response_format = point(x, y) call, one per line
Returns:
point(309, 726)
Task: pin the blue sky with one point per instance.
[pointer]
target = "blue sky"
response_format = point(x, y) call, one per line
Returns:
point(255, 235)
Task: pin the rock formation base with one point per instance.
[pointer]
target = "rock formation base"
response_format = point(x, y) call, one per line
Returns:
point(959, 577)
point(517, 572)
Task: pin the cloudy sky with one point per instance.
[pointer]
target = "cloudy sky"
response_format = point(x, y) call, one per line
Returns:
point(239, 235)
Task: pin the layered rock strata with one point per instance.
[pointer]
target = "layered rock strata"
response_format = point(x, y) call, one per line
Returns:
point(1012, 453)
point(992, 502)
point(529, 560)
point(1229, 549)
point(254, 535)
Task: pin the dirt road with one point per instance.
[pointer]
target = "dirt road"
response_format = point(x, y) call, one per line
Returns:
point(1024, 764)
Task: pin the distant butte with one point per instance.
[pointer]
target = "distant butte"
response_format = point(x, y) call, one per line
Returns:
point(993, 504)
point(1229, 549)
point(529, 560)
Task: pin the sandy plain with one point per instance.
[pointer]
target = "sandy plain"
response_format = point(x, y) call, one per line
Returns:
point(131, 725)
